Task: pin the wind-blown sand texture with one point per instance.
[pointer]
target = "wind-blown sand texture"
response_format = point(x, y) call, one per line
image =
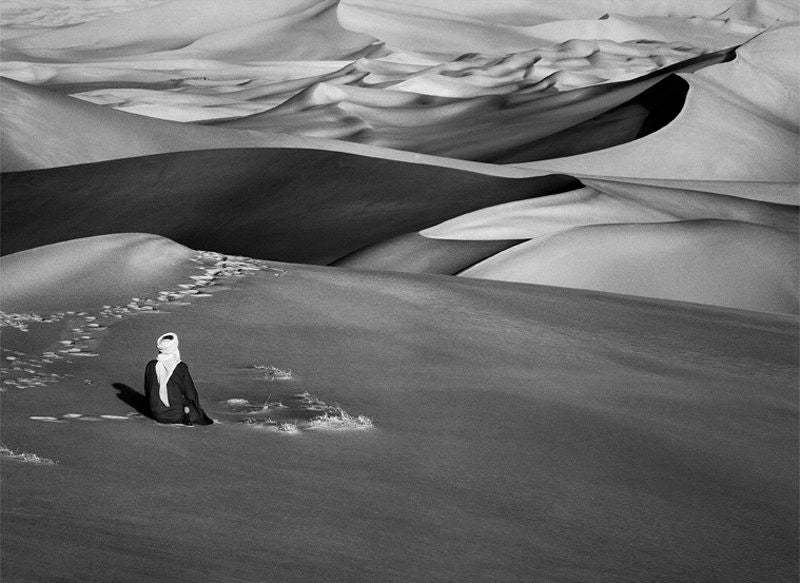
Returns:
point(474, 291)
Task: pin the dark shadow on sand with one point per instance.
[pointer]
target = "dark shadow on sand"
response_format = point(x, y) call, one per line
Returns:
point(133, 398)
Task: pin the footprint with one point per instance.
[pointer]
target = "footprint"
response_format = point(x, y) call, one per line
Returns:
point(47, 419)
point(237, 402)
point(67, 417)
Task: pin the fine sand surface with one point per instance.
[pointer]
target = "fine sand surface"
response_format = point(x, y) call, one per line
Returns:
point(529, 433)
point(724, 263)
point(413, 253)
point(474, 291)
point(92, 272)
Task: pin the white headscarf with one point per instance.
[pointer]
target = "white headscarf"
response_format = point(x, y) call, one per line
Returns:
point(168, 359)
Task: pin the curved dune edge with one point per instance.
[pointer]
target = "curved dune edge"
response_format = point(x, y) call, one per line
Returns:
point(87, 273)
point(280, 204)
point(605, 202)
point(722, 128)
point(413, 253)
point(722, 263)
point(564, 383)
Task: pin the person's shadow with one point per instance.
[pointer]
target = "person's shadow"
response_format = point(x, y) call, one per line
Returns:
point(133, 398)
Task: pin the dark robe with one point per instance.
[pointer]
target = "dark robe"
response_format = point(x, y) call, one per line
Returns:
point(181, 393)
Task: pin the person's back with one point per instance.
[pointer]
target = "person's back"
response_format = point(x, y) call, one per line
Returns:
point(169, 387)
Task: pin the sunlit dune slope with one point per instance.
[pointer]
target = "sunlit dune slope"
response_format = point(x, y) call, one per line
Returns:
point(413, 253)
point(42, 129)
point(238, 29)
point(444, 27)
point(723, 263)
point(607, 202)
point(89, 273)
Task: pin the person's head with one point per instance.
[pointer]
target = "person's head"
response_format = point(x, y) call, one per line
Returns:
point(167, 343)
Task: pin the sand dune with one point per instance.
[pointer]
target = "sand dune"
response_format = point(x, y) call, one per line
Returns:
point(722, 263)
point(281, 204)
point(417, 26)
point(42, 129)
point(641, 240)
point(240, 29)
point(52, 13)
point(413, 253)
point(516, 12)
point(485, 105)
point(431, 111)
point(607, 203)
point(724, 130)
point(530, 432)
point(88, 273)
point(443, 117)
point(609, 393)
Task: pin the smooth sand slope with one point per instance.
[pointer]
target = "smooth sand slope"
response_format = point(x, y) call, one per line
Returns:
point(634, 239)
point(42, 129)
point(88, 273)
point(444, 27)
point(413, 253)
point(530, 432)
point(609, 202)
point(241, 30)
point(723, 263)
point(298, 205)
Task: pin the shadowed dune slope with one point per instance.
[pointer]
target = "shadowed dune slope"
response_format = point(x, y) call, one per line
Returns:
point(271, 203)
point(89, 273)
point(521, 433)
point(723, 263)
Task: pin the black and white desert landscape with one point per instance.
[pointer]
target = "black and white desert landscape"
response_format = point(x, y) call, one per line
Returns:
point(472, 290)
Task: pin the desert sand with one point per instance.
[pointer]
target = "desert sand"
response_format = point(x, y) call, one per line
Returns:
point(473, 291)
